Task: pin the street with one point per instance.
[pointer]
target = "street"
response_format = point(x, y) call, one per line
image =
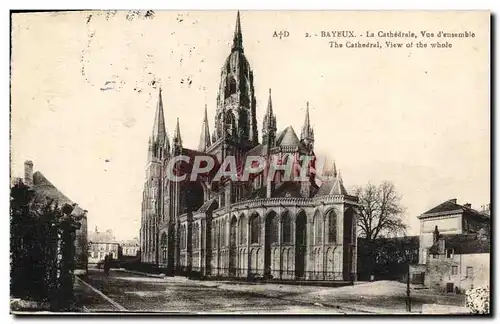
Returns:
point(123, 291)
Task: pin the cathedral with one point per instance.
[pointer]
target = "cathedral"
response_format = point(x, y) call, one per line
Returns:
point(273, 229)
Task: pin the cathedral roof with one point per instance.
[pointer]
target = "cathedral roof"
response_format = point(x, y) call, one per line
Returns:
point(45, 189)
point(288, 189)
point(186, 168)
point(332, 186)
point(288, 137)
point(211, 203)
point(256, 151)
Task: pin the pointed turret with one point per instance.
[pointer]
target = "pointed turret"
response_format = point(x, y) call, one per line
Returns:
point(238, 38)
point(205, 134)
point(330, 172)
point(269, 125)
point(177, 135)
point(307, 133)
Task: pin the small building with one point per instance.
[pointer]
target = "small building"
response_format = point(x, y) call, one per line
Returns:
point(455, 247)
point(451, 218)
point(102, 244)
point(130, 248)
point(45, 190)
point(99, 250)
point(458, 262)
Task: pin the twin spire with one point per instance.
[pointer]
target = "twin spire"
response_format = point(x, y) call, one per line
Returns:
point(160, 137)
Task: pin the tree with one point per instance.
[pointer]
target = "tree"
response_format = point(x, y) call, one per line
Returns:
point(42, 248)
point(381, 211)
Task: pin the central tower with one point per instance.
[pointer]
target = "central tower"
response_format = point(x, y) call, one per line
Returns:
point(235, 117)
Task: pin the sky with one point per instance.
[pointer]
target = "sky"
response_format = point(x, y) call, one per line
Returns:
point(85, 85)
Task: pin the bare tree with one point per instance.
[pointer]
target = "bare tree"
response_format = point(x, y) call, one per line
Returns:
point(381, 212)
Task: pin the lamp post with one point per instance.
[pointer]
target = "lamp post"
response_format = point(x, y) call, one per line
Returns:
point(408, 296)
point(409, 257)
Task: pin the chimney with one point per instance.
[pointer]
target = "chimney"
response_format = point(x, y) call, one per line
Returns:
point(468, 205)
point(28, 173)
point(454, 200)
point(16, 180)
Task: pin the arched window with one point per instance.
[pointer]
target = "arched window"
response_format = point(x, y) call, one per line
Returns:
point(254, 229)
point(213, 233)
point(231, 88)
point(317, 228)
point(243, 230)
point(273, 228)
point(332, 227)
point(223, 235)
point(163, 240)
point(229, 123)
point(196, 236)
point(286, 231)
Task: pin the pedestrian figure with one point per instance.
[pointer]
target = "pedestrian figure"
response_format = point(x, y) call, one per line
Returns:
point(106, 265)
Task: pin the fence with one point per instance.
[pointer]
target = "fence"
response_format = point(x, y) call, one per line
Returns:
point(256, 275)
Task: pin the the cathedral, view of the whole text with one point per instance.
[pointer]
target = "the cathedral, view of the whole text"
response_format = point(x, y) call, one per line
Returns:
point(275, 229)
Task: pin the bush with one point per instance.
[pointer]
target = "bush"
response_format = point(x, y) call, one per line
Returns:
point(478, 300)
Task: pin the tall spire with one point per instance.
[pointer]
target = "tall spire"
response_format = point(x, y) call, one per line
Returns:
point(238, 38)
point(269, 111)
point(307, 122)
point(177, 135)
point(205, 134)
point(159, 133)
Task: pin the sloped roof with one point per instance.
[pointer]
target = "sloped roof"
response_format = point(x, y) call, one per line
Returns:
point(333, 186)
point(256, 151)
point(451, 205)
point(102, 237)
point(133, 242)
point(186, 168)
point(44, 188)
point(288, 137)
point(211, 203)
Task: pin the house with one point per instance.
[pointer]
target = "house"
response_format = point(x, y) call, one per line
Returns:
point(458, 262)
point(451, 218)
point(455, 246)
point(44, 190)
point(102, 244)
point(130, 248)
